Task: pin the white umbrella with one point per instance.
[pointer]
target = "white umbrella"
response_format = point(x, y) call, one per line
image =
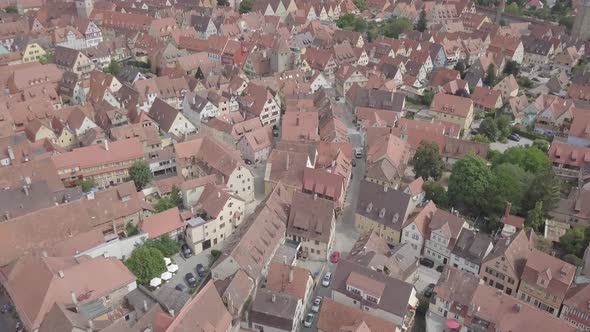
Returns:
point(167, 260)
point(172, 268)
point(155, 282)
point(166, 276)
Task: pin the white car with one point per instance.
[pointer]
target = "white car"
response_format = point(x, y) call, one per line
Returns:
point(316, 304)
point(308, 321)
point(326, 279)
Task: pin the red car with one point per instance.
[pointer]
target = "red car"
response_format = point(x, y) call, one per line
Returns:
point(335, 257)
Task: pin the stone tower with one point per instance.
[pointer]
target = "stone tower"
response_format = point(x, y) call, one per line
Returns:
point(84, 7)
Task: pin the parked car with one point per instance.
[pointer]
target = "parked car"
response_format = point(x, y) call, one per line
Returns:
point(186, 251)
point(326, 279)
point(316, 304)
point(429, 289)
point(308, 321)
point(354, 163)
point(335, 257)
point(275, 132)
point(200, 270)
point(247, 161)
point(440, 268)
point(190, 279)
point(427, 262)
point(514, 137)
point(181, 288)
point(358, 153)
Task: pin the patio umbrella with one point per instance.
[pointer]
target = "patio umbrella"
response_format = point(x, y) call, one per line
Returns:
point(167, 260)
point(155, 282)
point(452, 324)
point(166, 276)
point(172, 268)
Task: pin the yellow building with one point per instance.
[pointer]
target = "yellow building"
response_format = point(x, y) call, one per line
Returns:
point(383, 210)
point(452, 109)
point(33, 52)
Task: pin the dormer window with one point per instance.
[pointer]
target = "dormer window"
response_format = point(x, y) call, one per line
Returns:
point(369, 207)
point(382, 213)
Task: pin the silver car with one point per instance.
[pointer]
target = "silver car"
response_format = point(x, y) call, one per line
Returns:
point(316, 304)
point(326, 279)
point(308, 321)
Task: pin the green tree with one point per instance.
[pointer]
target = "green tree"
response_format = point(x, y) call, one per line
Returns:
point(541, 144)
point(175, 196)
point(504, 126)
point(246, 6)
point(11, 9)
point(47, 58)
point(422, 23)
point(480, 138)
point(460, 67)
point(490, 78)
point(525, 82)
point(469, 183)
point(131, 229)
point(543, 244)
point(489, 129)
point(223, 3)
point(164, 204)
point(146, 263)
point(573, 241)
point(393, 27)
point(426, 98)
point(536, 217)
point(435, 192)
point(573, 259)
point(512, 68)
point(567, 21)
point(509, 184)
point(530, 159)
point(512, 9)
point(86, 184)
point(141, 174)
point(544, 188)
point(114, 68)
point(167, 246)
point(427, 161)
point(360, 4)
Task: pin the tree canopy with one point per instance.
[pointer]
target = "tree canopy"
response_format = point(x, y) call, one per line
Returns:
point(490, 78)
point(530, 159)
point(512, 68)
point(114, 68)
point(469, 183)
point(489, 128)
point(427, 161)
point(422, 23)
point(167, 246)
point(573, 241)
point(141, 174)
point(536, 217)
point(436, 192)
point(509, 183)
point(360, 4)
point(146, 263)
point(246, 6)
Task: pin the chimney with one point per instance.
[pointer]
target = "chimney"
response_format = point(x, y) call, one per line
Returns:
point(273, 299)
point(106, 145)
point(90, 325)
point(384, 188)
point(10, 153)
point(290, 275)
point(74, 298)
point(219, 194)
point(60, 273)
point(285, 259)
point(145, 306)
point(315, 196)
point(44, 253)
point(171, 312)
point(287, 163)
point(26, 189)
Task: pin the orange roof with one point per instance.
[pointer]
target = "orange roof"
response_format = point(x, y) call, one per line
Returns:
point(449, 104)
point(98, 154)
point(162, 223)
point(288, 279)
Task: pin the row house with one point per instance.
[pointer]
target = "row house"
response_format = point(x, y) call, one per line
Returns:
point(348, 75)
point(545, 281)
point(74, 61)
point(454, 109)
point(170, 90)
point(170, 120)
point(537, 52)
point(205, 156)
point(106, 164)
point(554, 115)
point(217, 214)
point(444, 229)
point(260, 102)
point(570, 161)
point(312, 224)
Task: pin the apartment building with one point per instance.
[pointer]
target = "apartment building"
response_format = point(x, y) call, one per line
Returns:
point(107, 163)
point(444, 230)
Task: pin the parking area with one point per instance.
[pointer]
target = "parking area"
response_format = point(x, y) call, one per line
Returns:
point(425, 276)
point(501, 147)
